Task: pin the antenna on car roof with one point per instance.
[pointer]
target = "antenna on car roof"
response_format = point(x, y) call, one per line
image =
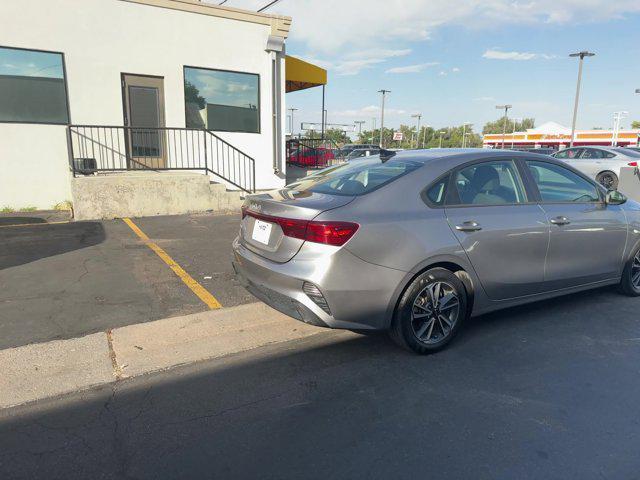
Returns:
point(386, 154)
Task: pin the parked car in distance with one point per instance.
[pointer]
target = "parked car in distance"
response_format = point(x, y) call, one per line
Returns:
point(349, 147)
point(418, 241)
point(362, 152)
point(315, 157)
point(541, 151)
point(601, 163)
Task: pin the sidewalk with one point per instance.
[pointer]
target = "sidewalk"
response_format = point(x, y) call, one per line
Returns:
point(50, 369)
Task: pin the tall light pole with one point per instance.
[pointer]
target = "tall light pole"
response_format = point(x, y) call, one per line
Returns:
point(292, 110)
point(441, 132)
point(581, 55)
point(513, 134)
point(504, 123)
point(424, 134)
point(464, 132)
point(418, 116)
point(617, 119)
point(384, 93)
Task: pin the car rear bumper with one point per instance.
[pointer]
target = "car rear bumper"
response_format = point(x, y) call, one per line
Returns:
point(359, 294)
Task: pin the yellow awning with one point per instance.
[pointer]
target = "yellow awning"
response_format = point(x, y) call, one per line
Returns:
point(300, 74)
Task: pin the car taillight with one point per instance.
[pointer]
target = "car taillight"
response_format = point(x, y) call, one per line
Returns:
point(328, 233)
point(633, 164)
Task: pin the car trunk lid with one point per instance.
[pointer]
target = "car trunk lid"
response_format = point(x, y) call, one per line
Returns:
point(265, 216)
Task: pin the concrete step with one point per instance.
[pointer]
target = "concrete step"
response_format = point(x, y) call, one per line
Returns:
point(225, 201)
point(141, 194)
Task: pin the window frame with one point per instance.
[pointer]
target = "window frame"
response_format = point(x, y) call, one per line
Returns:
point(538, 195)
point(451, 187)
point(66, 88)
point(424, 194)
point(567, 150)
point(184, 100)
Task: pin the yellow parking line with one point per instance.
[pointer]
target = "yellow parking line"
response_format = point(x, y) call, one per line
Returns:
point(201, 292)
point(33, 224)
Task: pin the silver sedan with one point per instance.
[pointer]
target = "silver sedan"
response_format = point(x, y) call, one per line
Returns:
point(601, 163)
point(418, 241)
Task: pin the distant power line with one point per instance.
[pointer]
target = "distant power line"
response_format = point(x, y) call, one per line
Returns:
point(268, 5)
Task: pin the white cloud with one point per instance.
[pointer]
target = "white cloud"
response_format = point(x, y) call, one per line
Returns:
point(412, 68)
point(367, 112)
point(442, 73)
point(332, 26)
point(455, 69)
point(494, 54)
point(484, 99)
point(354, 62)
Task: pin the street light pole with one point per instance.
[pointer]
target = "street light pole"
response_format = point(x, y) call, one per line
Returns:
point(292, 110)
point(513, 134)
point(581, 55)
point(424, 134)
point(359, 123)
point(441, 133)
point(418, 116)
point(504, 124)
point(384, 93)
point(464, 132)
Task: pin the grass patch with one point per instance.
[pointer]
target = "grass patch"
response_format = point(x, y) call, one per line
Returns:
point(28, 209)
point(64, 206)
point(7, 209)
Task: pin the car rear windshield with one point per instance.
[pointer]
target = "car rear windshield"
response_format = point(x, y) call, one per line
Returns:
point(629, 152)
point(358, 177)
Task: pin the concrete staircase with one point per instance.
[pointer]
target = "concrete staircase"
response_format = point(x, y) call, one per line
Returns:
point(148, 193)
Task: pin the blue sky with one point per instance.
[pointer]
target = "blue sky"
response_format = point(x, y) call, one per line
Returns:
point(453, 62)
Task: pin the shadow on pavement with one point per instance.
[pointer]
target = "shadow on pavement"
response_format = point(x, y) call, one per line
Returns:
point(527, 393)
point(6, 221)
point(26, 244)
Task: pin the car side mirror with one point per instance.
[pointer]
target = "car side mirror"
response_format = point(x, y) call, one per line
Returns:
point(614, 197)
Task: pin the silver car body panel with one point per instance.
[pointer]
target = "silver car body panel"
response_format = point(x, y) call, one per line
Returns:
point(517, 258)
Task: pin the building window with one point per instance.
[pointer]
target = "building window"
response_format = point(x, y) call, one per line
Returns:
point(221, 100)
point(32, 87)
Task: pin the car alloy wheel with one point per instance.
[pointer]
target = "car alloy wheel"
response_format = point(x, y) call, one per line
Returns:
point(435, 312)
point(608, 180)
point(635, 271)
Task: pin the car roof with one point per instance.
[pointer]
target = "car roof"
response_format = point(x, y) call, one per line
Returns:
point(453, 157)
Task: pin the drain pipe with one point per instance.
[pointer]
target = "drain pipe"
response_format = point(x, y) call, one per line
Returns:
point(276, 49)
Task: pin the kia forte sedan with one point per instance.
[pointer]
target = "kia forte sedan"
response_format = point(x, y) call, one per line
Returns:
point(418, 241)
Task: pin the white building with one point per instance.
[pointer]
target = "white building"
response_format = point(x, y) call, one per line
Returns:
point(200, 86)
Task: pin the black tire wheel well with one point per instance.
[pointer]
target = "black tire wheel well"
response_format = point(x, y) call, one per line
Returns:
point(454, 268)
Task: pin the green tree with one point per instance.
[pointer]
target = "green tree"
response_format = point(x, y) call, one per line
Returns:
point(192, 95)
point(332, 134)
point(635, 124)
point(498, 126)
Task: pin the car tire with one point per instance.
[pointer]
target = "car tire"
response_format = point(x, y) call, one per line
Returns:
point(608, 180)
point(423, 325)
point(630, 282)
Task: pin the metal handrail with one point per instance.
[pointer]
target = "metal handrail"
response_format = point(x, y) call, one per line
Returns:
point(112, 148)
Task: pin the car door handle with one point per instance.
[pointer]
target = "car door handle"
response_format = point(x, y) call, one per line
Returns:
point(469, 226)
point(560, 221)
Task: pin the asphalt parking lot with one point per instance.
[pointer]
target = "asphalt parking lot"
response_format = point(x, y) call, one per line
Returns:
point(64, 280)
point(547, 391)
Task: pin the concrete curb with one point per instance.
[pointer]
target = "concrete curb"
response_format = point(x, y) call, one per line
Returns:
point(44, 370)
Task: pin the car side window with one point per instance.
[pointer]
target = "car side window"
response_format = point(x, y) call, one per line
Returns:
point(609, 154)
point(592, 153)
point(436, 194)
point(559, 185)
point(569, 153)
point(489, 183)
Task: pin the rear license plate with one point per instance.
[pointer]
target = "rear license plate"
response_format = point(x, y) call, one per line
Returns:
point(261, 232)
